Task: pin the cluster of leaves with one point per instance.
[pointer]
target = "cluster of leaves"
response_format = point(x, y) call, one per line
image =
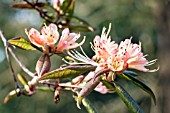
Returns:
point(63, 17)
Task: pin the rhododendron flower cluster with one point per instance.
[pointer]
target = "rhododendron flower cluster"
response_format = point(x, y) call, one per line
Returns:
point(116, 57)
point(49, 37)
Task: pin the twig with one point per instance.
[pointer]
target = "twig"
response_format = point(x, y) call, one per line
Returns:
point(7, 46)
point(65, 85)
point(69, 85)
point(10, 66)
point(41, 12)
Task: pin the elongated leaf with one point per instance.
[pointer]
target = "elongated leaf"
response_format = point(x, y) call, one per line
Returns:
point(21, 43)
point(140, 84)
point(22, 5)
point(83, 22)
point(81, 28)
point(11, 95)
point(67, 7)
point(68, 71)
point(22, 79)
point(27, 6)
point(109, 86)
point(127, 99)
point(130, 73)
point(89, 107)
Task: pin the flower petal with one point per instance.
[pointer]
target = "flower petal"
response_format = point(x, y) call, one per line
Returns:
point(35, 37)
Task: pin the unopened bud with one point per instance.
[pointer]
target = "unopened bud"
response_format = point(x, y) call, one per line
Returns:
point(43, 65)
point(77, 80)
point(57, 96)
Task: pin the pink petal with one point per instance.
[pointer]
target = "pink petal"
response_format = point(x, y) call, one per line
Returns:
point(35, 37)
point(101, 88)
point(65, 34)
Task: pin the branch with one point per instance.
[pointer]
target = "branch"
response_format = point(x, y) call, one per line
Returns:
point(7, 46)
point(64, 85)
point(12, 69)
point(42, 13)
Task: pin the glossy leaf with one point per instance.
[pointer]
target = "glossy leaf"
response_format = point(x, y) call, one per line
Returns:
point(68, 71)
point(89, 107)
point(127, 99)
point(21, 43)
point(140, 84)
point(11, 95)
point(130, 73)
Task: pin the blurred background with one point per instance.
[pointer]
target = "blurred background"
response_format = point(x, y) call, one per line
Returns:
point(147, 21)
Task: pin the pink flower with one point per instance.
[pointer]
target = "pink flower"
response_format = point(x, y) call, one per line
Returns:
point(134, 56)
point(103, 46)
point(48, 37)
point(119, 58)
point(117, 63)
point(50, 34)
point(68, 41)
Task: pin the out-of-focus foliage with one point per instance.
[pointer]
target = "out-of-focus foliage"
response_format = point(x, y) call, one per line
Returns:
point(144, 20)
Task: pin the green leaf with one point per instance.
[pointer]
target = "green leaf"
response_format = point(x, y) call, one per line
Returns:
point(127, 99)
point(108, 85)
point(81, 28)
point(67, 7)
point(89, 107)
point(22, 79)
point(68, 71)
point(140, 84)
point(21, 43)
point(84, 23)
point(11, 95)
point(130, 73)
